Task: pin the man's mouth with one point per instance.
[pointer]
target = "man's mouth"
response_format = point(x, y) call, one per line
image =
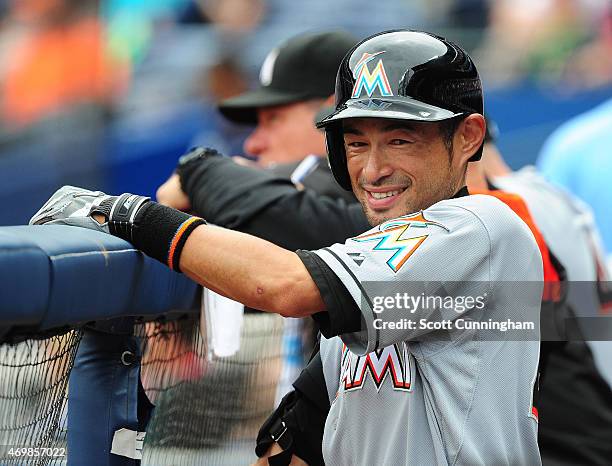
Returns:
point(383, 198)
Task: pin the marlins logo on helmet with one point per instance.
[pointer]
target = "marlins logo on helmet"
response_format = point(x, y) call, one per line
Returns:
point(370, 81)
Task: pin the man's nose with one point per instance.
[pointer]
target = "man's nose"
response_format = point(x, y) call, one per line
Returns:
point(377, 167)
point(256, 143)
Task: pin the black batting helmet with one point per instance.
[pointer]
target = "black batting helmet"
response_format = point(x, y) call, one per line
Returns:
point(404, 75)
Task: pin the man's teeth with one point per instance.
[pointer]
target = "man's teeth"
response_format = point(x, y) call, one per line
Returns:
point(383, 195)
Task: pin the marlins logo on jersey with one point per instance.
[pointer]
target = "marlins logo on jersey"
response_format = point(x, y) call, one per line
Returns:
point(393, 236)
point(377, 79)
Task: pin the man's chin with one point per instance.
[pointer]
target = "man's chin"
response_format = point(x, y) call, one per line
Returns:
point(378, 217)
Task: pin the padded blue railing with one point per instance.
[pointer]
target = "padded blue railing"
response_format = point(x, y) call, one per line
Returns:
point(53, 277)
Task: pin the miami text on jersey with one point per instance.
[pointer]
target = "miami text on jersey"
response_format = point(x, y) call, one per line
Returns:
point(393, 360)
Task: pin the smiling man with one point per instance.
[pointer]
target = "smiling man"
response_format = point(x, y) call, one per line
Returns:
point(408, 120)
point(396, 164)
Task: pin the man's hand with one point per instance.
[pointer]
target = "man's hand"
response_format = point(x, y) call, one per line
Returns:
point(171, 194)
point(83, 208)
point(275, 449)
point(70, 205)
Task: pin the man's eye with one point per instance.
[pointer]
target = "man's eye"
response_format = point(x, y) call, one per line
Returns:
point(355, 144)
point(400, 142)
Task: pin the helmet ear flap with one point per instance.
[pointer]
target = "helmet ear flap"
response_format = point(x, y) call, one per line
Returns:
point(336, 156)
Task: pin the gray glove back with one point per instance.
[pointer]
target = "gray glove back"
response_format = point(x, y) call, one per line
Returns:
point(74, 206)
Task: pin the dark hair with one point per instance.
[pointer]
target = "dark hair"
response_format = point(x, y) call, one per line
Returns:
point(447, 130)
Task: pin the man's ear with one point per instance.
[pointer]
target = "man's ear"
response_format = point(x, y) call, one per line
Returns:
point(470, 136)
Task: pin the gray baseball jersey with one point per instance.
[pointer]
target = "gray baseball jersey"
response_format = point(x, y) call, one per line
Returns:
point(415, 396)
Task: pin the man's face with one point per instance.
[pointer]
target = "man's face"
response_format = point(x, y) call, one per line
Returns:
point(285, 133)
point(399, 167)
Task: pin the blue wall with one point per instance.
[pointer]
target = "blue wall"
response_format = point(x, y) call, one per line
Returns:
point(527, 114)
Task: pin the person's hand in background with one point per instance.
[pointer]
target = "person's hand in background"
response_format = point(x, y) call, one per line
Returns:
point(275, 449)
point(171, 194)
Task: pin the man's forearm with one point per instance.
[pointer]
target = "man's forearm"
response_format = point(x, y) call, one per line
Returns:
point(226, 193)
point(250, 270)
point(242, 267)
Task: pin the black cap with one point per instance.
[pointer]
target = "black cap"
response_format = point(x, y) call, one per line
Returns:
point(301, 68)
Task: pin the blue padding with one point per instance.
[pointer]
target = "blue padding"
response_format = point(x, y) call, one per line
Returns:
point(24, 280)
point(52, 276)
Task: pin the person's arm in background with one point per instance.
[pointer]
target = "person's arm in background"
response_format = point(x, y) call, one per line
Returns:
point(295, 428)
point(254, 201)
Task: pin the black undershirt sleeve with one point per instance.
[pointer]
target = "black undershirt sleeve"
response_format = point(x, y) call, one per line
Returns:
point(342, 315)
point(257, 202)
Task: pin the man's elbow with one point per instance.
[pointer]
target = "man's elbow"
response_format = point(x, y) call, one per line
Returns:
point(290, 298)
point(296, 309)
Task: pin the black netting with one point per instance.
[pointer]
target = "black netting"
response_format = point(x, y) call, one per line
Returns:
point(208, 410)
point(33, 398)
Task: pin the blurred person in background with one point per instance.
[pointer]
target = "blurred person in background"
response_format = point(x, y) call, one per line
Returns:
point(297, 81)
point(535, 38)
point(252, 27)
point(57, 58)
point(591, 65)
point(234, 16)
point(220, 81)
point(577, 157)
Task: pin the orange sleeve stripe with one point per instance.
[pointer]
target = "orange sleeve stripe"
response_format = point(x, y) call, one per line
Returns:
point(177, 238)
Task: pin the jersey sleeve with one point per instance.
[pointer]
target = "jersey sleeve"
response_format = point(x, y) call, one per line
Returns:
point(443, 251)
point(346, 317)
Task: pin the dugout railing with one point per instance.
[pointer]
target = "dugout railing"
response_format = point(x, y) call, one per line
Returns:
point(71, 361)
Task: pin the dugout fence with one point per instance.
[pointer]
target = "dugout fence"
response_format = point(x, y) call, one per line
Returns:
point(99, 344)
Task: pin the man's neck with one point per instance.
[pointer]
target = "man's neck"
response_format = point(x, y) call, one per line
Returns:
point(461, 193)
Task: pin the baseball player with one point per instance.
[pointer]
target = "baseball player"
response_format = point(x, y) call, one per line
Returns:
point(577, 372)
point(572, 430)
point(408, 120)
